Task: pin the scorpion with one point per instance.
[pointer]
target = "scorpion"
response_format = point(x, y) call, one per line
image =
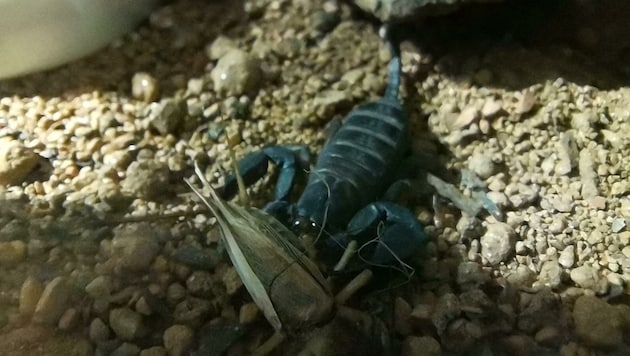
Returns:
point(356, 167)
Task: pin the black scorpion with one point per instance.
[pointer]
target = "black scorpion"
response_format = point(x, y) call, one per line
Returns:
point(355, 168)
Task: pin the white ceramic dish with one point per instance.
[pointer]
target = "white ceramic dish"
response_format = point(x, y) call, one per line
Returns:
point(41, 34)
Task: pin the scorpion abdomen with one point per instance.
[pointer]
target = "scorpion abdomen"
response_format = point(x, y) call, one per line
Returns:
point(357, 164)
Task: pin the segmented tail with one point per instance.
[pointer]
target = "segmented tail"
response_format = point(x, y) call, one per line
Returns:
point(395, 65)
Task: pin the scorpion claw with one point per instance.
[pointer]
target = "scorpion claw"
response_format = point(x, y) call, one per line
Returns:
point(255, 165)
point(399, 233)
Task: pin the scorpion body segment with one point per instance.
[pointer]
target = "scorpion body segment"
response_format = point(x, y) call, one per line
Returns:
point(355, 168)
point(359, 160)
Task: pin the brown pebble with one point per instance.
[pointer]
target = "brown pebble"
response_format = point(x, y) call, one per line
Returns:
point(30, 293)
point(53, 301)
point(248, 313)
point(144, 87)
point(12, 252)
point(177, 339)
point(69, 319)
point(420, 346)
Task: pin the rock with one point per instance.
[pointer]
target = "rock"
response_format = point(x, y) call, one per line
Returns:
point(200, 284)
point(248, 313)
point(192, 310)
point(175, 292)
point(420, 346)
point(99, 331)
point(567, 257)
point(237, 73)
point(232, 281)
point(178, 339)
point(597, 323)
point(618, 224)
point(220, 47)
point(465, 118)
point(558, 224)
point(540, 309)
point(135, 246)
point(69, 319)
point(143, 307)
point(16, 161)
point(481, 164)
point(126, 323)
point(522, 276)
point(204, 259)
point(53, 301)
point(550, 274)
point(468, 227)
point(471, 274)
point(497, 244)
point(12, 252)
point(549, 336)
point(154, 351)
point(567, 154)
point(588, 175)
point(329, 102)
point(461, 335)
point(126, 349)
point(527, 194)
point(447, 309)
point(167, 116)
point(588, 277)
point(562, 203)
point(146, 179)
point(30, 294)
point(99, 287)
point(491, 107)
point(398, 10)
point(518, 345)
point(526, 102)
point(144, 87)
point(324, 21)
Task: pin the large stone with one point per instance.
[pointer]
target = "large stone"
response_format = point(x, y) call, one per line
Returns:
point(597, 323)
point(53, 301)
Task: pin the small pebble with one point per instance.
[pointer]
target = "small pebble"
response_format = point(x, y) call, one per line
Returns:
point(53, 301)
point(567, 257)
point(497, 244)
point(178, 339)
point(12, 252)
point(126, 323)
point(99, 287)
point(99, 331)
point(237, 73)
point(550, 274)
point(248, 313)
point(589, 278)
point(420, 346)
point(69, 319)
point(154, 351)
point(144, 87)
point(126, 349)
point(30, 294)
point(481, 164)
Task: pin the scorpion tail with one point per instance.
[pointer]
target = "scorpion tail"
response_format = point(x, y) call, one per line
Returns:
point(395, 65)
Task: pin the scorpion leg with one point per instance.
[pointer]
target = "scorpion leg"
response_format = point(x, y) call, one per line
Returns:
point(399, 237)
point(255, 165)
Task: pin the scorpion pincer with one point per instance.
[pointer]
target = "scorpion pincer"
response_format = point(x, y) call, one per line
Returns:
point(344, 193)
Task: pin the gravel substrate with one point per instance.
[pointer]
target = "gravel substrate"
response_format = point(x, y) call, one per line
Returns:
point(104, 252)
